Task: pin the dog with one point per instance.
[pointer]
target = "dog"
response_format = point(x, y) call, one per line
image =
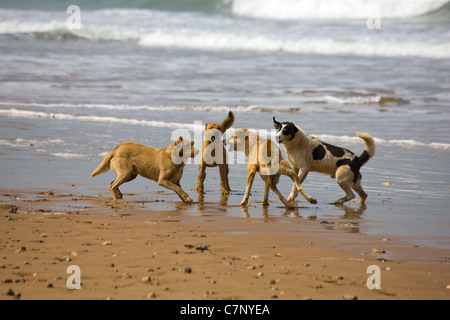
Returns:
point(307, 154)
point(165, 166)
point(213, 133)
point(264, 157)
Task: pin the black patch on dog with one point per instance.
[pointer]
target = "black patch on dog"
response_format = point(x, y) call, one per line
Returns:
point(364, 157)
point(343, 162)
point(355, 165)
point(290, 129)
point(319, 152)
point(335, 151)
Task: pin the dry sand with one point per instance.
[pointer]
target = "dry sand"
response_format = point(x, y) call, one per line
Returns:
point(126, 252)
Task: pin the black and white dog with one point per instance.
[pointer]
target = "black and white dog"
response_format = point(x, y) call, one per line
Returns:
point(307, 154)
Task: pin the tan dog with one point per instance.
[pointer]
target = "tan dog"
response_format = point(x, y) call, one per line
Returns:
point(165, 166)
point(264, 157)
point(211, 137)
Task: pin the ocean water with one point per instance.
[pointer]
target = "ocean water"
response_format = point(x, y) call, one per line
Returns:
point(139, 70)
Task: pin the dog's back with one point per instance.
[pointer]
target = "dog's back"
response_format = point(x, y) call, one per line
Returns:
point(135, 153)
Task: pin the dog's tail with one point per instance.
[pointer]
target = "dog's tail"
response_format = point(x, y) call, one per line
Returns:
point(104, 166)
point(227, 123)
point(369, 150)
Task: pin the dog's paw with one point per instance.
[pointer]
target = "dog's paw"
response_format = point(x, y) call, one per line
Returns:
point(312, 201)
point(199, 190)
point(225, 192)
point(243, 203)
point(290, 206)
point(187, 199)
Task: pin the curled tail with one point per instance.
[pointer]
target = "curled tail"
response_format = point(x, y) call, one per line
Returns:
point(369, 150)
point(104, 166)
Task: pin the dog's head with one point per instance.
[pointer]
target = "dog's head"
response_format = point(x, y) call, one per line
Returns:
point(183, 148)
point(238, 141)
point(213, 131)
point(286, 130)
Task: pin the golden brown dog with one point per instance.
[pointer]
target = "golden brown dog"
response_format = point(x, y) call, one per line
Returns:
point(208, 156)
point(164, 166)
point(264, 157)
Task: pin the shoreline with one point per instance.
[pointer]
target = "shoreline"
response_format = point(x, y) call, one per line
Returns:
point(126, 251)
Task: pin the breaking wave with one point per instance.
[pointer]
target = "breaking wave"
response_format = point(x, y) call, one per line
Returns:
point(407, 143)
point(267, 9)
point(337, 9)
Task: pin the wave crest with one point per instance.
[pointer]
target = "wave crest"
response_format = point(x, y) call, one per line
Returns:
point(409, 143)
point(336, 9)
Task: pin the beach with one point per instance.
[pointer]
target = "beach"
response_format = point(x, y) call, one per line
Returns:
point(152, 71)
point(127, 252)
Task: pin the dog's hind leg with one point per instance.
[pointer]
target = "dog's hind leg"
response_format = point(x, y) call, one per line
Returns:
point(349, 194)
point(250, 178)
point(115, 192)
point(358, 188)
point(280, 196)
point(344, 178)
point(124, 170)
point(121, 179)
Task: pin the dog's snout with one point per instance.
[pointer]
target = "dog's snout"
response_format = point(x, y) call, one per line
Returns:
point(278, 139)
point(213, 138)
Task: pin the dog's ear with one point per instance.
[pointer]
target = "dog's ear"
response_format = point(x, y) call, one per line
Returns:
point(179, 139)
point(276, 124)
point(227, 123)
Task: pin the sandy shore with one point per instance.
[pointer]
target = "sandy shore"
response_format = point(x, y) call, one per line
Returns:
point(127, 252)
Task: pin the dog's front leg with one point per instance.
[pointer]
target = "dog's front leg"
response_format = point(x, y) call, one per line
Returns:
point(224, 186)
point(172, 186)
point(265, 201)
point(250, 178)
point(301, 173)
point(201, 177)
point(287, 170)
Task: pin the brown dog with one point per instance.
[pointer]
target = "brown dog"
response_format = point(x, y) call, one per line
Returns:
point(164, 166)
point(221, 162)
point(264, 157)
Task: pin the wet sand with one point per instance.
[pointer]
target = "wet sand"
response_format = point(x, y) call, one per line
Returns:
point(126, 250)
